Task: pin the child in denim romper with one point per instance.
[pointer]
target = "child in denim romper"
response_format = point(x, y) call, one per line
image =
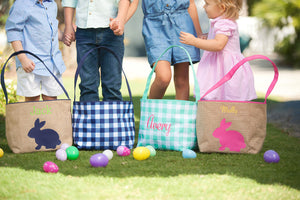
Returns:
point(163, 21)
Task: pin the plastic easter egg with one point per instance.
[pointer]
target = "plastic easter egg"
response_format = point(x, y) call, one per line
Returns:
point(72, 153)
point(50, 167)
point(123, 151)
point(99, 160)
point(61, 154)
point(152, 150)
point(109, 154)
point(271, 156)
point(64, 146)
point(187, 153)
point(1, 152)
point(141, 153)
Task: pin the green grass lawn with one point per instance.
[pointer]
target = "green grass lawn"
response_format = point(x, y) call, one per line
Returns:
point(166, 176)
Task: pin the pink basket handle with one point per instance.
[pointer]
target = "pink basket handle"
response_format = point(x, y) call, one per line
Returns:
point(230, 74)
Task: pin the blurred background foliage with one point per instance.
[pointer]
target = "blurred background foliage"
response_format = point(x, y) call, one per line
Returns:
point(281, 13)
point(275, 14)
point(4, 9)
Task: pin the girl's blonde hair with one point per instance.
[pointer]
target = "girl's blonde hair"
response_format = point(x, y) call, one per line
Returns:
point(232, 8)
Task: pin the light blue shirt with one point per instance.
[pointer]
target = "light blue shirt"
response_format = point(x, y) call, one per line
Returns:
point(93, 13)
point(36, 26)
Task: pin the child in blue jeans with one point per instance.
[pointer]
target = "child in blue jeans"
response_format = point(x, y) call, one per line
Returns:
point(99, 23)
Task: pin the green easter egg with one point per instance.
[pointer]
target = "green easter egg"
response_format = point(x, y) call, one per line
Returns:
point(152, 150)
point(72, 153)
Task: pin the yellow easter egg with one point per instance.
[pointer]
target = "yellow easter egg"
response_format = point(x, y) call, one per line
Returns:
point(141, 153)
point(1, 152)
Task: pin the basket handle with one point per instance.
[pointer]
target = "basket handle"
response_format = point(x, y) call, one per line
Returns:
point(196, 85)
point(230, 74)
point(81, 64)
point(28, 52)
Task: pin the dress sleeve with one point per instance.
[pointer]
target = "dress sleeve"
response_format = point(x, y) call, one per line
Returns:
point(225, 27)
point(15, 22)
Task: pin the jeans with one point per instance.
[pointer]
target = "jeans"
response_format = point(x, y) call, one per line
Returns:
point(110, 69)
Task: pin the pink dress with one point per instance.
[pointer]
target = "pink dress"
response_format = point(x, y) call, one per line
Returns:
point(214, 65)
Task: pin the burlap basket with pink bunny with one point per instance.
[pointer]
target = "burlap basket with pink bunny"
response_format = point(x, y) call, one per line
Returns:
point(233, 126)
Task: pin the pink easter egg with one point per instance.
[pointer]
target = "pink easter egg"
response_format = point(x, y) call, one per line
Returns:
point(123, 151)
point(50, 167)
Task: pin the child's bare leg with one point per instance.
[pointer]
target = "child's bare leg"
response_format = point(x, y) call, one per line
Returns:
point(36, 98)
point(161, 81)
point(48, 98)
point(181, 81)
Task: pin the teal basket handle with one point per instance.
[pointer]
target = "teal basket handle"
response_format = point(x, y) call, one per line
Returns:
point(196, 85)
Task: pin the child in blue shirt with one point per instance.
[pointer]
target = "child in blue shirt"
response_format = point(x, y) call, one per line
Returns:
point(32, 26)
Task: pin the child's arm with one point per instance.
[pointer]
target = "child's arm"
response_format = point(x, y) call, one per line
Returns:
point(60, 35)
point(132, 8)
point(216, 44)
point(194, 15)
point(117, 24)
point(27, 64)
point(69, 33)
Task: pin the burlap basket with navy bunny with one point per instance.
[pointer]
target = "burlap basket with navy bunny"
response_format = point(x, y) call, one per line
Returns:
point(40, 125)
point(103, 124)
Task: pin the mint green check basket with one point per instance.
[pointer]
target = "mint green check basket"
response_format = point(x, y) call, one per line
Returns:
point(168, 124)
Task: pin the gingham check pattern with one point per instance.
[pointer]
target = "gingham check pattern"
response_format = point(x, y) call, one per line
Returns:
point(103, 124)
point(180, 114)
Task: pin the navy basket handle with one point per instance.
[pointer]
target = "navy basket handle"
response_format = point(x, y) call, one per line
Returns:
point(28, 52)
point(81, 64)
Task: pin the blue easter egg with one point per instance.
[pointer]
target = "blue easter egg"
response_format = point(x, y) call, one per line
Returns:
point(187, 153)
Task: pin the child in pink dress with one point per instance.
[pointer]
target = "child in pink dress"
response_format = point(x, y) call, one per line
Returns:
point(222, 52)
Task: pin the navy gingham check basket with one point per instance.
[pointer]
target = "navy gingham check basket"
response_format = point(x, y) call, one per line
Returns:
point(168, 124)
point(103, 125)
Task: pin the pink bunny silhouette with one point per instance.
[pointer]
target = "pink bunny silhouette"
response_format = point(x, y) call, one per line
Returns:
point(234, 140)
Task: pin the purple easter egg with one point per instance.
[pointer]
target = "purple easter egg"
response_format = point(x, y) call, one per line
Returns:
point(99, 160)
point(271, 156)
point(50, 167)
point(61, 154)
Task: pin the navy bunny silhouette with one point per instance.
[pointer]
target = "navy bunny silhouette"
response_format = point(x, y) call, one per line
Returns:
point(47, 137)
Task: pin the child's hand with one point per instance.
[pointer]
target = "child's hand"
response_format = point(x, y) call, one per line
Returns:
point(116, 26)
point(69, 35)
point(27, 64)
point(67, 39)
point(187, 38)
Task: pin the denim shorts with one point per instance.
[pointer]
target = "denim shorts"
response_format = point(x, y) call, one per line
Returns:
point(162, 29)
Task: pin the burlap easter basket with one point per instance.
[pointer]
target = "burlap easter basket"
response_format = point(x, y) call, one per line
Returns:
point(233, 126)
point(37, 126)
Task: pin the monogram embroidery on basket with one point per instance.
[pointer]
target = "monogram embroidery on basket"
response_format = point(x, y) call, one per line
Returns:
point(159, 126)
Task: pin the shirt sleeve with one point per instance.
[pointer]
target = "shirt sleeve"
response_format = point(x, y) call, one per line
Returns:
point(15, 23)
point(69, 3)
point(225, 27)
